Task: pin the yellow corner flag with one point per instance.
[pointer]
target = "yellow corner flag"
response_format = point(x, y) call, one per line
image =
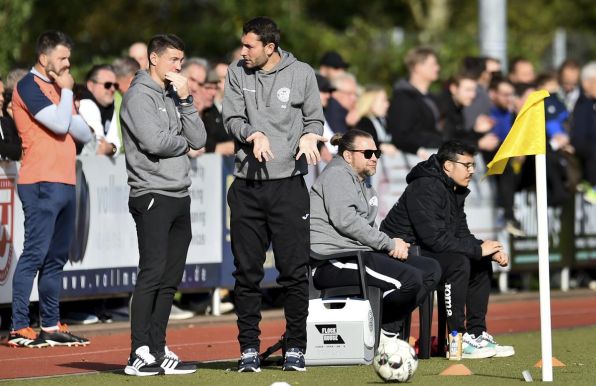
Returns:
point(527, 135)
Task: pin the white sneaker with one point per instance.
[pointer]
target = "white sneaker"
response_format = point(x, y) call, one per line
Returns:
point(502, 351)
point(142, 363)
point(386, 337)
point(473, 348)
point(179, 314)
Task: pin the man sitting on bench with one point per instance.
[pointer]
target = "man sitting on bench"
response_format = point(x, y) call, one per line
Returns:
point(343, 213)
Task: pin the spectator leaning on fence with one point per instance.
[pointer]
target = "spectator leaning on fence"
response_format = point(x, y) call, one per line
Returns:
point(47, 121)
point(430, 213)
point(160, 125)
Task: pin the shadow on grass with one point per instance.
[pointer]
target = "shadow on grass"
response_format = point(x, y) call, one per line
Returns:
point(233, 366)
point(95, 366)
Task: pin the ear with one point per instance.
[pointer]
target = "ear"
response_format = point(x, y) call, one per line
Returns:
point(89, 84)
point(270, 49)
point(153, 58)
point(347, 155)
point(448, 167)
point(43, 60)
point(453, 88)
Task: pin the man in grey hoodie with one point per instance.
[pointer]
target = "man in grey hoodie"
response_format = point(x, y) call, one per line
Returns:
point(159, 127)
point(272, 109)
point(343, 218)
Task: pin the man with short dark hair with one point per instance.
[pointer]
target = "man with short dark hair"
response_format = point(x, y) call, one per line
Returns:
point(413, 115)
point(159, 127)
point(49, 126)
point(430, 213)
point(272, 108)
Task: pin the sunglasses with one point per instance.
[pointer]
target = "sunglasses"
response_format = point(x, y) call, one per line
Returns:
point(369, 153)
point(108, 85)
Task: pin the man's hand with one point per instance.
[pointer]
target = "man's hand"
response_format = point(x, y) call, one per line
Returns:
point(180, 83)
point(501, 258)
point(488, 142)
point(401, 249)
point(64, 80)
point(192, 153)
point(105, 148)
point(260, 146)
point(483, 124)
point(308, 147)
point(490, 247)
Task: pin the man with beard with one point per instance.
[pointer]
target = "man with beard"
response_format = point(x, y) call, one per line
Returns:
point(49, 126)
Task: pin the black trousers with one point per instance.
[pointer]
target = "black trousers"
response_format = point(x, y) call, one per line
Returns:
point(164, 234)
point(467, 289)
point(270, 212)
point(404, 284)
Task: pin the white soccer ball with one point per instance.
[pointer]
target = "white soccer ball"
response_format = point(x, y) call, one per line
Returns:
point(395, 360)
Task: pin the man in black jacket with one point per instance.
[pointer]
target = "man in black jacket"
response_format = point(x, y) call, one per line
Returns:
point(430, 213)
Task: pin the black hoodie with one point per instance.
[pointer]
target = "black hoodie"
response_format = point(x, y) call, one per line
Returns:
point(430, 213)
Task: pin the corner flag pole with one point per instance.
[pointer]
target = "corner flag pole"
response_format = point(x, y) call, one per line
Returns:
point(543, 269)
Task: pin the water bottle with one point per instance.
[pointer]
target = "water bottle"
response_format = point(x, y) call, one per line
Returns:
point(454, 352)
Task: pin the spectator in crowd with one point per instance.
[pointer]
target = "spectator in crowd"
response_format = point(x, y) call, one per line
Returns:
point(138, 51)
point(430, 213)
point(97, 108)
point(343, 218)
point(159, 126)
point(12, 78)
point(340, 111)
point(460, 94)
point(125, 69)
point(273, 109)
point(10, 142)
point(332, 64)
point(583, 132)
point(372, 107)
point(521, 70)
point(49, 126)
point(326, 149)
point(218, 139)
point(195, 69)
point(569, 81)
point(221, 70)
point(413, 115)
point(478, 67)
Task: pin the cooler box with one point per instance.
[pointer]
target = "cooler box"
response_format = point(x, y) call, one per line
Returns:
point(340, 331)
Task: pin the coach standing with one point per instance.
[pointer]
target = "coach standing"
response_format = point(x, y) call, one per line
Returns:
point(159, 126)
point(272, 108)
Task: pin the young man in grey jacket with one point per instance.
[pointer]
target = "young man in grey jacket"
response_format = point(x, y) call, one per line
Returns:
point(343, 218)
point(159, 126)
point(272, 108)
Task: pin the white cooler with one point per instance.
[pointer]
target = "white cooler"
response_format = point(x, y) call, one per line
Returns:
point(340, 331)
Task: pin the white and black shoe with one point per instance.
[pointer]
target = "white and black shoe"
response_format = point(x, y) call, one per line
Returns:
point(143, 364)
point(172, 365)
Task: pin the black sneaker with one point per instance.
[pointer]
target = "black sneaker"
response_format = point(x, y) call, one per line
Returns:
point(142, 363)
point(62, 337)
point(174, 366)
point(294, 360)
point(249, 361)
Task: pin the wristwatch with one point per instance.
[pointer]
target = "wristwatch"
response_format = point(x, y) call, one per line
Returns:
point(187, 101)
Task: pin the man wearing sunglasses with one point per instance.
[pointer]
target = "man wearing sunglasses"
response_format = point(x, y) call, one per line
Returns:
point(343, 218)
point(97, 108)
point(430, 213)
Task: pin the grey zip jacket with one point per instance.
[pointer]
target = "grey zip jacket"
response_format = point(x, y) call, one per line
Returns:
point(157, 133)
point(343, 212)
point(283, 104)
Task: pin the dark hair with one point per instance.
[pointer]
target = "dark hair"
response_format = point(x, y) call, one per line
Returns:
point(346, 140)
point(49, 40)
point(450, 149)
point(474, 65)
point(569, 63)
point(543, 78)
point(125, 66)
point(160, 43)
point(264, 28)
point(515, 62)
point(496, 81)
point(418, 55)
point(456, 80)
point(92, 73)
point(521, 88)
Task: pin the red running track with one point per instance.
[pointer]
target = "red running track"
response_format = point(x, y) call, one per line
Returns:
point(218, 341)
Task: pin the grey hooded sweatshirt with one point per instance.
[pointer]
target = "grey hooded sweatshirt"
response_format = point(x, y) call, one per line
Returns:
point(157, 133)
point(343, 212)
point(283, 104)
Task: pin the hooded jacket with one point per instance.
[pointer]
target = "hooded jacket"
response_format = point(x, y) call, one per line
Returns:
point(283, 104)
point(430, 213)
point(157, 132)
point(412, 119)
point(343, 212)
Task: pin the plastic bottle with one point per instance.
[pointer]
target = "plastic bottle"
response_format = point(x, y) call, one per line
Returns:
point(455, 346)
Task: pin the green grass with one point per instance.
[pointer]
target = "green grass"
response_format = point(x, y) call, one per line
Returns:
point(574, 347)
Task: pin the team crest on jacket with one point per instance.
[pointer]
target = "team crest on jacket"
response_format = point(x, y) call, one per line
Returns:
point(374, 201)
point(283, 94)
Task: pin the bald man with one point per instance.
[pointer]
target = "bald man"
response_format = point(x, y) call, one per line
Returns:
point(138, 51)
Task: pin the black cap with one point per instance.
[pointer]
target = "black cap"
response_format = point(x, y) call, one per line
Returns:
point(333, 59)
point(324, 84)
